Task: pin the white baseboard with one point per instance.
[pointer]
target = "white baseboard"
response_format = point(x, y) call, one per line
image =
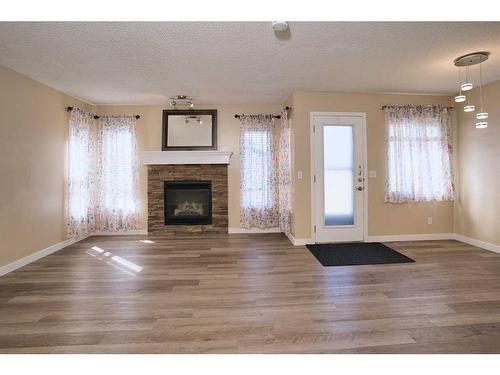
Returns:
point(134, 232)
point(299, 241)
point(39, 254)
point(436, 236)
point(61, 245)
point(411, 237)
point(253, 230)
point(478, 243)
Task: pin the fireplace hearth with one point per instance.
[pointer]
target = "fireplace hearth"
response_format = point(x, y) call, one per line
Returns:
point(188, 202)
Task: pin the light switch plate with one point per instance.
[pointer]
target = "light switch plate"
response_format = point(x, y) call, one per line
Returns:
point(300, 175)
point(372, 174)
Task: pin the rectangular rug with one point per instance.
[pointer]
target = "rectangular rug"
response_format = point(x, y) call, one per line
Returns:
point(356, 253)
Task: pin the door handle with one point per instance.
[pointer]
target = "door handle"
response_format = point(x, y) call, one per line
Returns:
point(359, 188)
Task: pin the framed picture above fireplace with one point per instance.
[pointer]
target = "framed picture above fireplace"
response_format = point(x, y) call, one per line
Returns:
point(193, 129)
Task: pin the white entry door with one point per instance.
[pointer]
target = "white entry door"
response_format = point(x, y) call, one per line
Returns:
point(338, 147)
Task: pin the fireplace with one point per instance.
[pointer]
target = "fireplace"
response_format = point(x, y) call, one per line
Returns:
point(161, 212)
point(188, 202)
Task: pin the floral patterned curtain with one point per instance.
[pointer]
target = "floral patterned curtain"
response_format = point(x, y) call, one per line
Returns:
point(102, 174)
point(118, 205)
point(81, 174)
point(284, 174)
point(419, 154)
point(258, 168)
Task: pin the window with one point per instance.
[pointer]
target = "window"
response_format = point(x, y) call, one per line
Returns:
point(117, 167)
point(118, 203)
point(419, 148)
point(102, 174)
point(257, 168)
point(258, 183)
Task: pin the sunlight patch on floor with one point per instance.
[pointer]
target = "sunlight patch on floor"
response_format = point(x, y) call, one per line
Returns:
point(115, 260)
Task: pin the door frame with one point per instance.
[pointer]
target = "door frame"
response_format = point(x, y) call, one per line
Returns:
point(361, 115)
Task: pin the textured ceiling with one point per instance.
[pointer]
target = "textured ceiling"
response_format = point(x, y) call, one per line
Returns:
point(242, 62)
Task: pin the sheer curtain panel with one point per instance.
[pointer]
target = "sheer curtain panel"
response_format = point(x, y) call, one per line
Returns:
point(419, 154)
point(118, 174)
point(258, 168)
point(81, 174)
point(284, 174)
point(102, 174)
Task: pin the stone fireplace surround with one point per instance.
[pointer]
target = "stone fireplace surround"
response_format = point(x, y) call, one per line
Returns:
point(183, 166)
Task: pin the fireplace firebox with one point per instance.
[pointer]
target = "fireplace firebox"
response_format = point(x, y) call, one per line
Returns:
point(188, 202)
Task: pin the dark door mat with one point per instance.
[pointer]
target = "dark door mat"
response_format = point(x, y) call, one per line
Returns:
point(356, 253)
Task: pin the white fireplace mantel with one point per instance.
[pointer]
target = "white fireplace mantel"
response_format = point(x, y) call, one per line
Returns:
point(185, 157)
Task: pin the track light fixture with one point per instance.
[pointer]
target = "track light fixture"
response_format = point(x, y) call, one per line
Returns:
point(182, 100)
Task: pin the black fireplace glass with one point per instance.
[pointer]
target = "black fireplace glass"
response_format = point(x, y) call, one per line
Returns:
point(188, 202)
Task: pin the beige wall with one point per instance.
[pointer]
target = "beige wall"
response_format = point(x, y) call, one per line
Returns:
point(33, 133)
point(33, 141)
point(477, 210)
point(383, 218)
point(149, 133)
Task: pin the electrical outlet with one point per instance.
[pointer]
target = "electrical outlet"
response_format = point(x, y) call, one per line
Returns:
point(372, 174)
point(429, 220)
point(300, 175)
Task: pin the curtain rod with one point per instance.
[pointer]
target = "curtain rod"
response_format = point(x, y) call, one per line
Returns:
point(421, 105)
point(274, 116)
point(69, 109)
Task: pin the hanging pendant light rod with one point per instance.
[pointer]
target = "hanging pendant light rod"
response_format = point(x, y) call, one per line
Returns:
point(69, 109)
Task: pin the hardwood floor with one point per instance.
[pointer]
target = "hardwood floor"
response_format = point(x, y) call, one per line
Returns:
point(249, 294)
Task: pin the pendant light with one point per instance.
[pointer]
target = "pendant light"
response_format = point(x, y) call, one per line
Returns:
point(467, 86)
point(482, 115)
point(467, 61)
point(460, 97)
point(469, 107)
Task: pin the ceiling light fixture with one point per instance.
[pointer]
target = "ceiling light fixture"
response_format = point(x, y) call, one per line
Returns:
point(467, 86)
point(182, 100)
point(481, 115)
point(469, 108)
point(460, 97)
point(279, 26)
point(467, 61)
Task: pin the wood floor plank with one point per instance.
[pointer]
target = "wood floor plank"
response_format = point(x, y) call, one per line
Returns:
point(249, 294)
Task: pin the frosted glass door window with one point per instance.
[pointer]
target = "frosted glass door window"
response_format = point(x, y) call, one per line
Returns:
point(338, 143)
